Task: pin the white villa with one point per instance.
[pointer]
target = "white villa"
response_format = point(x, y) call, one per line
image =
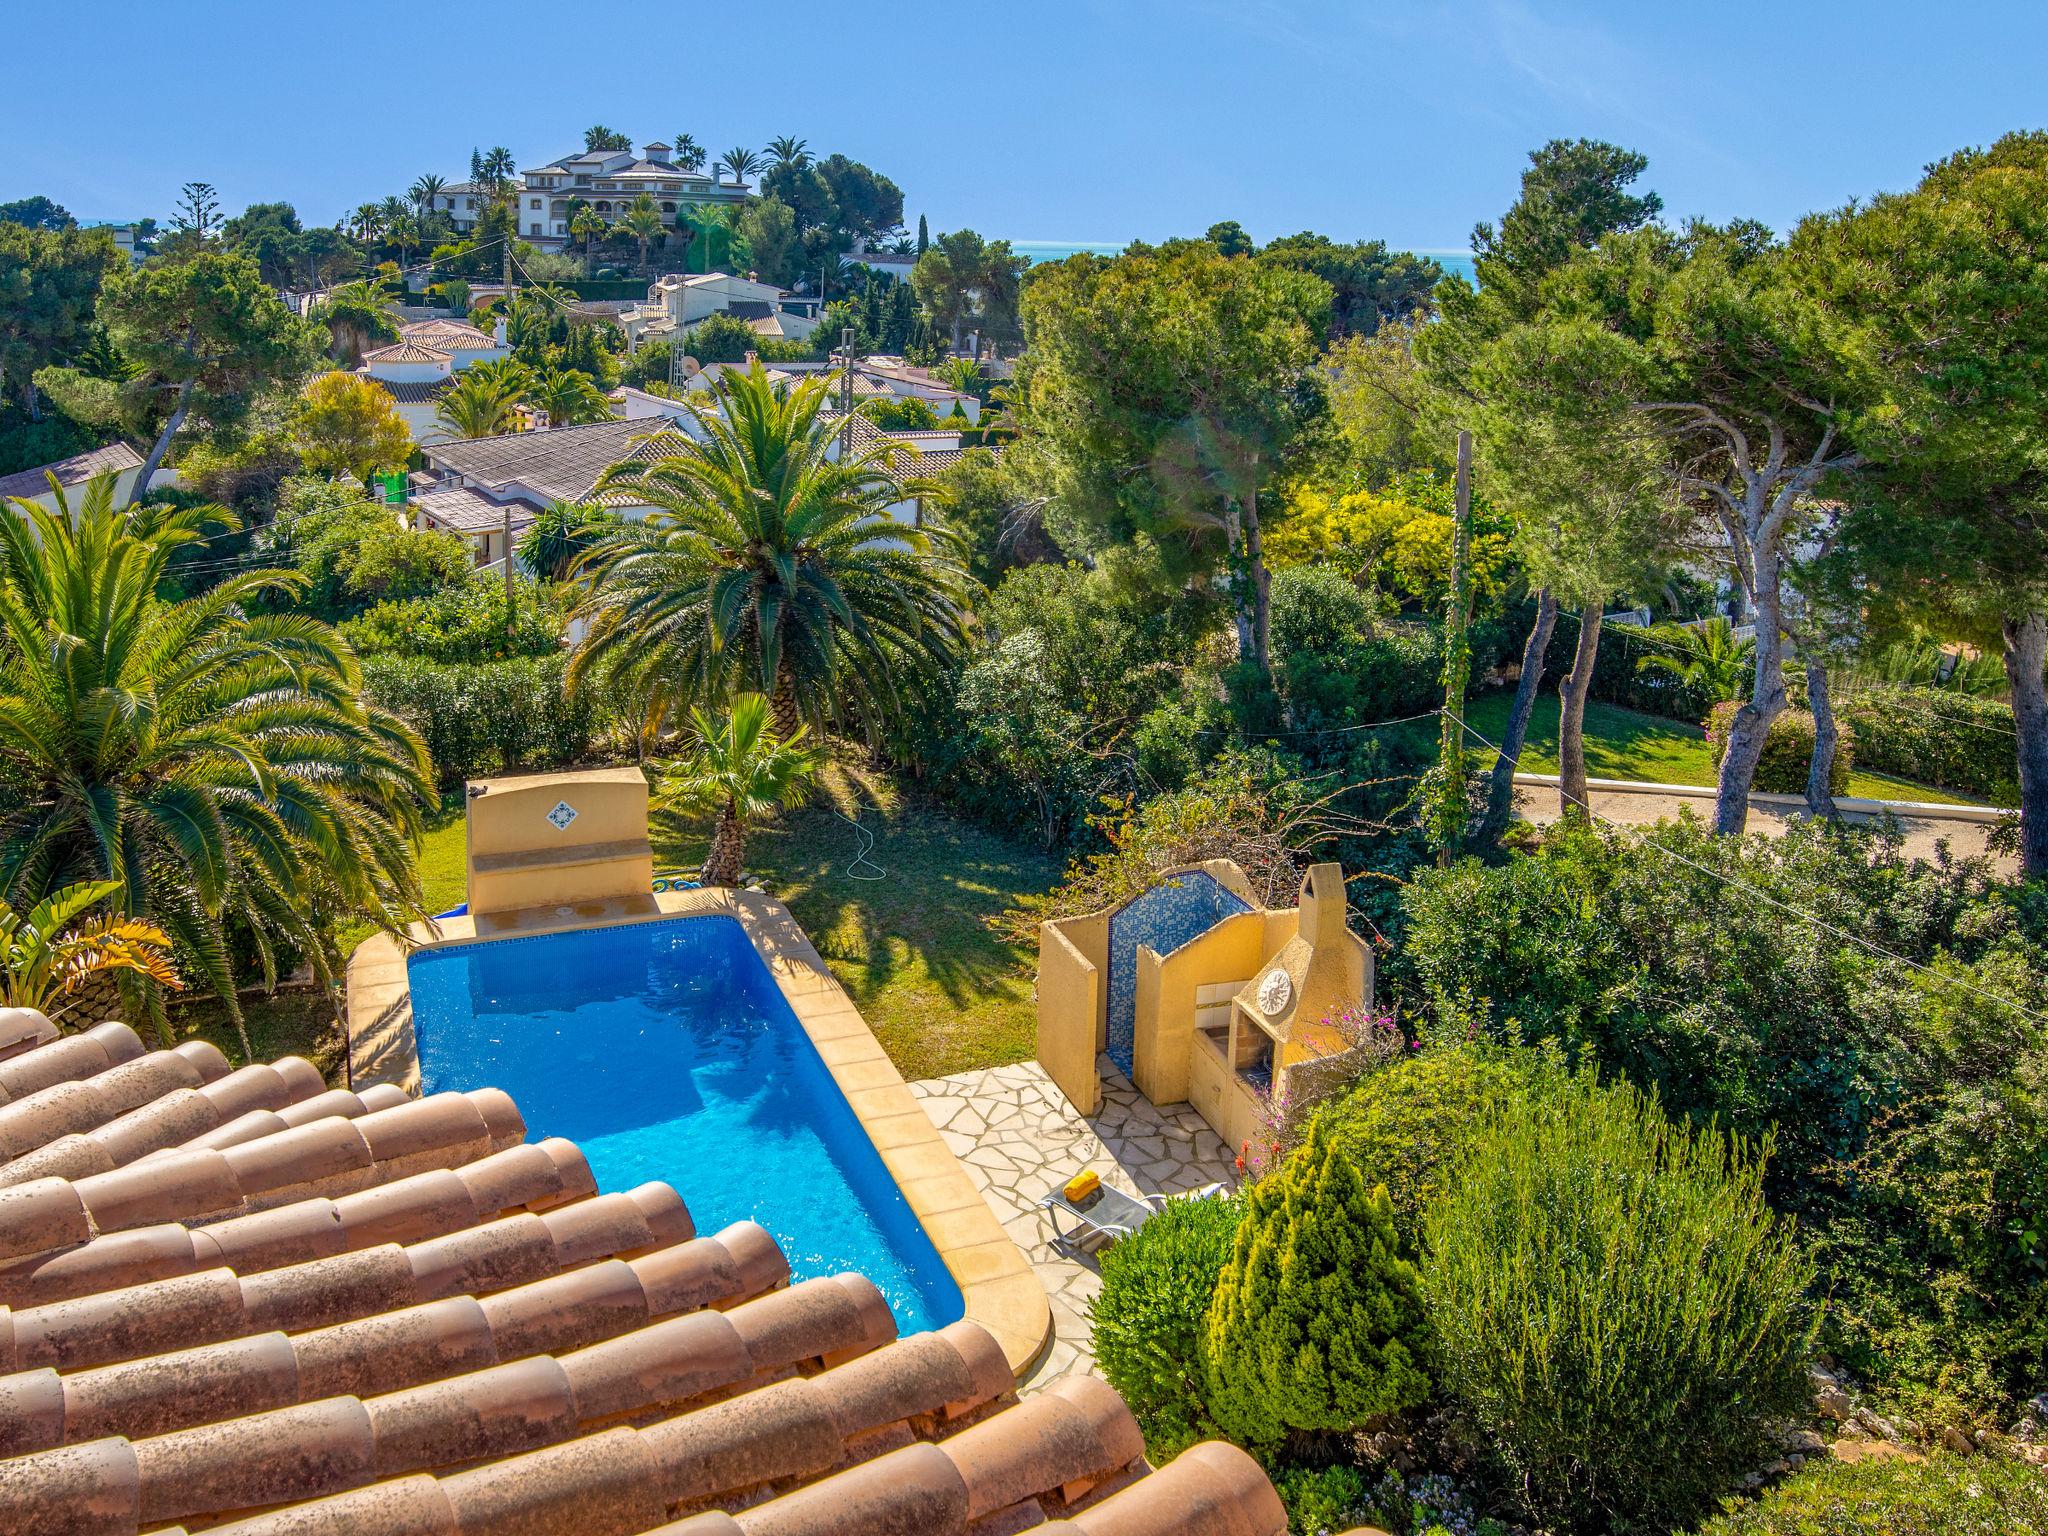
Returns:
point(678, 301)
point(607, 179)
point(420, 367)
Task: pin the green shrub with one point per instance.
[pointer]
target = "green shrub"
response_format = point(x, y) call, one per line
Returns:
point(1788, 751)
point(1408, 1126)
point(1615, 1307)
point(1323, 1501)
point(493, 717)
point(1947, 1496)
point(1909, 1106)
point(1316, 1325)
point(457, 624)
point(1147, 1321)
point(1937, 736)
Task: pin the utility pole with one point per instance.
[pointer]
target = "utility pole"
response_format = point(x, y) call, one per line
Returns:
point(1457, 669)
point(845, 391)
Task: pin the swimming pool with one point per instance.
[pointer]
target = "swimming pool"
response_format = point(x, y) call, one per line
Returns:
point(667, 1051)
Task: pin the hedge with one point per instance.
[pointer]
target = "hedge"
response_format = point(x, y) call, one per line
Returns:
point(1788, 751)
point(492, 717)
point(1935, 736)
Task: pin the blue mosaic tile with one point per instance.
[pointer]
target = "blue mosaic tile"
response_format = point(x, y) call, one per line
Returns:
point(1162, 919)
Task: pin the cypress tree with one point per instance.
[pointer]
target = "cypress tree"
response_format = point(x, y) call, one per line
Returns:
point(1317, 1324)
point(924, 235)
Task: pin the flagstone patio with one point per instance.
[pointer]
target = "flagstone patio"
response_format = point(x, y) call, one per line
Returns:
point(1019, 1138)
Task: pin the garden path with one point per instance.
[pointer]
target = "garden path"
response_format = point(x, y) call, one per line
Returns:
point(1019, 1138)
point(1538, 803)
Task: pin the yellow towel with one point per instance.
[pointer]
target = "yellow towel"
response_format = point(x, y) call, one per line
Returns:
point(1082, 1185)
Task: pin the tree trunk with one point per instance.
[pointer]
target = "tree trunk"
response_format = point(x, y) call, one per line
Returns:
point(1500, 791)
point(1820, 768)
point(1752, 722)
point(2026, 653)
point(722, 863)
point(782, 704)
point(1262, 585)
point(1572, 692)
point(162, 445)
point(32, 398)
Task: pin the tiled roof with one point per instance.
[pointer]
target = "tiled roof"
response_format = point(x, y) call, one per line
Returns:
point(561, 465)
point(407, 351)
point(411, 391)
point(449, 335)
point(458, 508)
point(76, 470)
point(243, 1301)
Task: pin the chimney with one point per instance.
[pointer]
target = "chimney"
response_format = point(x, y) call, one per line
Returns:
point(498, 331)
point(752, 358)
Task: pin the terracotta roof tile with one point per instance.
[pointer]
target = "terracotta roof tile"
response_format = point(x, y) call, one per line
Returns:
point(306, 1311)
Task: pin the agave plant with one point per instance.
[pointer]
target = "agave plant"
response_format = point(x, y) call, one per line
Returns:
point(770, 564)
point(738, 768)
point(51, 952)
point(217, 765)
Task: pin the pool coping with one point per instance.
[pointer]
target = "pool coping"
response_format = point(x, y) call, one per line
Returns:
point(1000, 1289)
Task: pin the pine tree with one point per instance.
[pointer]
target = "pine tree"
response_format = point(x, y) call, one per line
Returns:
point(1316, 1326)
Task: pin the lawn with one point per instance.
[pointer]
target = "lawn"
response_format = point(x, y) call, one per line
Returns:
point(1623, 744)
point(941, 991)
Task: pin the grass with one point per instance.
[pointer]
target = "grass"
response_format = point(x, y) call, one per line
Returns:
point(943, 993)
point(1624, 744)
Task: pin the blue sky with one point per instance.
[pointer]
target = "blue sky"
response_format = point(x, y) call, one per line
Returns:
point(1054, 120)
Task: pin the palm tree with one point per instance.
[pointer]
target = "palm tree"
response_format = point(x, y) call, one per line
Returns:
point(689, 153)
point(219, 767)
point(586, 224)
point(403, 231)
point(355, 315)
point(485, 399)
point(1705, 658)
point(367, 222)
point(740, 769)
point(741, 162)
point(568, 396)
point(47, 955)
point(789, 153)
point(959, 373)
point(560, 535)
point(643, 223)
point(497, 169)
point(768, 564)
point(426, 189)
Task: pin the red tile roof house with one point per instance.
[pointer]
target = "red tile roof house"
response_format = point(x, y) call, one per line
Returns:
point(240, 1300)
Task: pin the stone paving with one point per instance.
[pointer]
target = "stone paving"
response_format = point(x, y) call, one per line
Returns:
point(1018, 1137)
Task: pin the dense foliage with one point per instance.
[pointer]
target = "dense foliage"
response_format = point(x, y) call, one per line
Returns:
point(1947, 1496)
point(1880, 1018)
point(1615, 1306)
point(220, 766)
point(1937, 736)
point(486, 717)
point(1148, 1320)
point(1788, 751)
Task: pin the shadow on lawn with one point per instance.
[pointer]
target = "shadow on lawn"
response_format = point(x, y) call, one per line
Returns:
point(941, 879)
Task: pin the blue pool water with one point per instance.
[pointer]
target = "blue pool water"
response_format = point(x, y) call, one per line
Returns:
point(666, 1051)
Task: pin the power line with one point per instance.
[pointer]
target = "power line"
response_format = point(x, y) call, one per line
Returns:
point(1804, 916)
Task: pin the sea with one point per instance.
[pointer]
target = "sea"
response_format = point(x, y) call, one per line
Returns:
point(1037, 251)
